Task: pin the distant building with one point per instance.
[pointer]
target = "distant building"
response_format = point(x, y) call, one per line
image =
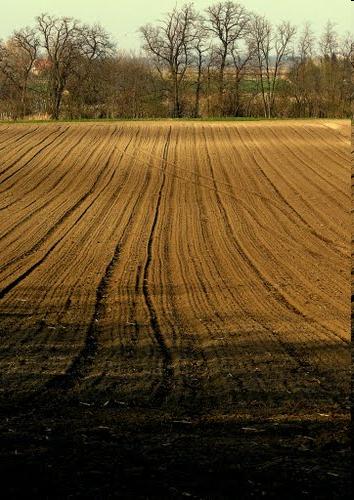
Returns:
point(40, 66)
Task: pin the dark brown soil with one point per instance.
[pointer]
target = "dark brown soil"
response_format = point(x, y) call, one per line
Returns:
point(174, 310)
point(67, 449)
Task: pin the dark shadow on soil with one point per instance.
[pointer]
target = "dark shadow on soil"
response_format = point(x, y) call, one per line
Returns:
point(239, 439)
point(68, 449)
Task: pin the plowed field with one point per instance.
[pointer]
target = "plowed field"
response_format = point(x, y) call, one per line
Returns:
point(192, 277)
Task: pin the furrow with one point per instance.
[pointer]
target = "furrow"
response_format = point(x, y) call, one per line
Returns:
point(32, 158)
point(291, 207)
point(281, 299)
point(48, 201)
point(165, 385)
point(24, 275)
point(15, 141)
point(82, 363)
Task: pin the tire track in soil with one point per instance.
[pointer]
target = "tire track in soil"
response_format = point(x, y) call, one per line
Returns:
point(190, 351)
point(121, 244)
point(137, 280)
point(82, 363)
point(42, 324)
point(101, 297)
point(332, 244)
point(317, 235)
point(84, 360)
point(164, 387)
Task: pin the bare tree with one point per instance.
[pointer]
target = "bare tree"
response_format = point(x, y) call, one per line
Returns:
point(7, 66)
point(329, 41)
point(170, 45)
point(241, 58)
point(212, 62)
point(347, 48)
point(95, 42)
point(335, 72)
point(201, 47)
point(306, 43)
point(27, 43)
point(347, 53)
point(228, 22)
point(17, 59)
point(302, 72)
point(272, 46)
point(61, 39)
point(229, 62)
point(95, 48)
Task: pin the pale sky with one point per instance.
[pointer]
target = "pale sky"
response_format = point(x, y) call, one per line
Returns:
point(122, 18)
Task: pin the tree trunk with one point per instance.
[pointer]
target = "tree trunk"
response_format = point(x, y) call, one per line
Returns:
point(197, 92)
point(221, 81)
point(24, 98)
point(221, 89)
point(176, 104)
point(237, 95)
point(56, 102)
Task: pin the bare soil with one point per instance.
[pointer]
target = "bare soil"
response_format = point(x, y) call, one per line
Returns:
point(174, 310)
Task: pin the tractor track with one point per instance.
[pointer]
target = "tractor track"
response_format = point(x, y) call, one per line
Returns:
point(165, 384)
point(175, 267)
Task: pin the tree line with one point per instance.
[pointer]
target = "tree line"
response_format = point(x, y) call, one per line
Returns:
point(225, 61)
